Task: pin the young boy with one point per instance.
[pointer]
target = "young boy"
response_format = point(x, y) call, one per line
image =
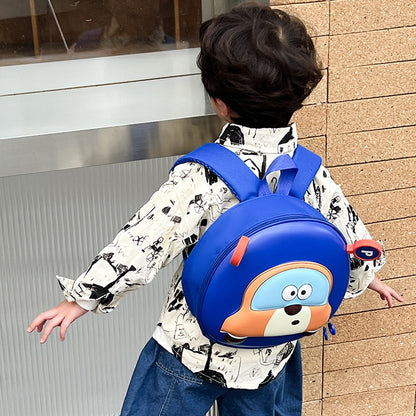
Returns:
point(258, 66)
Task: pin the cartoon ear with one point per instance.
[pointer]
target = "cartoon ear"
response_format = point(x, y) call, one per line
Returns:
point(365, 250)
point(239, 251)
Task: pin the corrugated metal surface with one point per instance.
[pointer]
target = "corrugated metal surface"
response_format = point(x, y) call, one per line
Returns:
point(55, 222)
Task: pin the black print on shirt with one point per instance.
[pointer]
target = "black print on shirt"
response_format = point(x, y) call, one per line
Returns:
point(287, 137)
point(210, 176)
point(137, 219)
point(334, 209)
point(252, 165)
point(232, 134)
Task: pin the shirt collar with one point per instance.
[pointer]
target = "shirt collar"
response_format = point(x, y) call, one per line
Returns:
point(261, 141)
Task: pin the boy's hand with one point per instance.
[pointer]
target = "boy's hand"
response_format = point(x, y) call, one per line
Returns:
point(63, 315)
point(385, 291)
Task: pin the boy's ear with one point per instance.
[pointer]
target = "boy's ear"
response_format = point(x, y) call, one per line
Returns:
point(222, 109)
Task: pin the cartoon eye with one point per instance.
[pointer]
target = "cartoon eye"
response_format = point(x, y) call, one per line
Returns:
point(289, 292)
point(304, 292)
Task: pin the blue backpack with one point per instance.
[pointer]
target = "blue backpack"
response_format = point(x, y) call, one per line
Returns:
point(271, 269)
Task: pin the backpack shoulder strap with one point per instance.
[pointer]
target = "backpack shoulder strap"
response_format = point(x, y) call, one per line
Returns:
point(309, 164)
point(226, 165)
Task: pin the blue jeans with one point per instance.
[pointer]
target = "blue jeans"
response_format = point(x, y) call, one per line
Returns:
point(162, 386)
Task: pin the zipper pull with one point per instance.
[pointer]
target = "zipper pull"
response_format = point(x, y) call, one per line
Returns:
point(331, 328)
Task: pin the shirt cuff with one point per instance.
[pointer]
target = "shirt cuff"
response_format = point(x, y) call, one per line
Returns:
point(67, 286)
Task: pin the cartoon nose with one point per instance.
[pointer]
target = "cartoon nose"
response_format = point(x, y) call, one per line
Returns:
point(293, 309)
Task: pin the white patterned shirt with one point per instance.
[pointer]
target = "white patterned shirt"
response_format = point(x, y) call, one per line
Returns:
point(174, 219)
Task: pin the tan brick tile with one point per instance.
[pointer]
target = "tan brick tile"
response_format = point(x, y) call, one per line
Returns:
point(376, 377)
point(365, 15)
point(322, 49)
point(385, 206)
point(312, 387)
point(371, 146)
point(312, 408)
point(399, 263)
point(362, 353)
point(312, 340)
point(370, 300)
point(371, 81)
point(277, 3)
point(311, 120)
point(372, 114)
point(373, 47)
point(312, 360)
point(317, 145)
point(315, 15)
point(375, 403)
point(407, 413)
point(376, 177)
point(319, 94)
point(374, 324)
point(395, 234)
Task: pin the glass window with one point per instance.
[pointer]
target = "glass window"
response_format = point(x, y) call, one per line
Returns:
point(50, 30)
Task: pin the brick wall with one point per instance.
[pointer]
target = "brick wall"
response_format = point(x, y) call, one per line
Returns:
point(362, 120)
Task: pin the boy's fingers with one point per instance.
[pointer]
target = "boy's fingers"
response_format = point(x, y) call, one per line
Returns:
point(67, 321)
point(397, 296)
point(40, 320)
point(49, 328)
point(63, 315)
point(392, 294)
point(64, 327)
point(36, 324)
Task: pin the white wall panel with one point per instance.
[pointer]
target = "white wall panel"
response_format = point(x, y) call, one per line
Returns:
point(102, 106)
point(55, 222)
point(77, 73)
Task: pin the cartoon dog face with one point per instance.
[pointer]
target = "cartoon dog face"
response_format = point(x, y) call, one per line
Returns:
point(291, 298)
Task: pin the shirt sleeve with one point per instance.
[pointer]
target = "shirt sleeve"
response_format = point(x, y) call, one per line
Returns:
point(170, 221)
point(326, 196)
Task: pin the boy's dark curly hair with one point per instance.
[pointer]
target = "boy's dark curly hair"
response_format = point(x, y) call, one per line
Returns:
point(261, 62)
